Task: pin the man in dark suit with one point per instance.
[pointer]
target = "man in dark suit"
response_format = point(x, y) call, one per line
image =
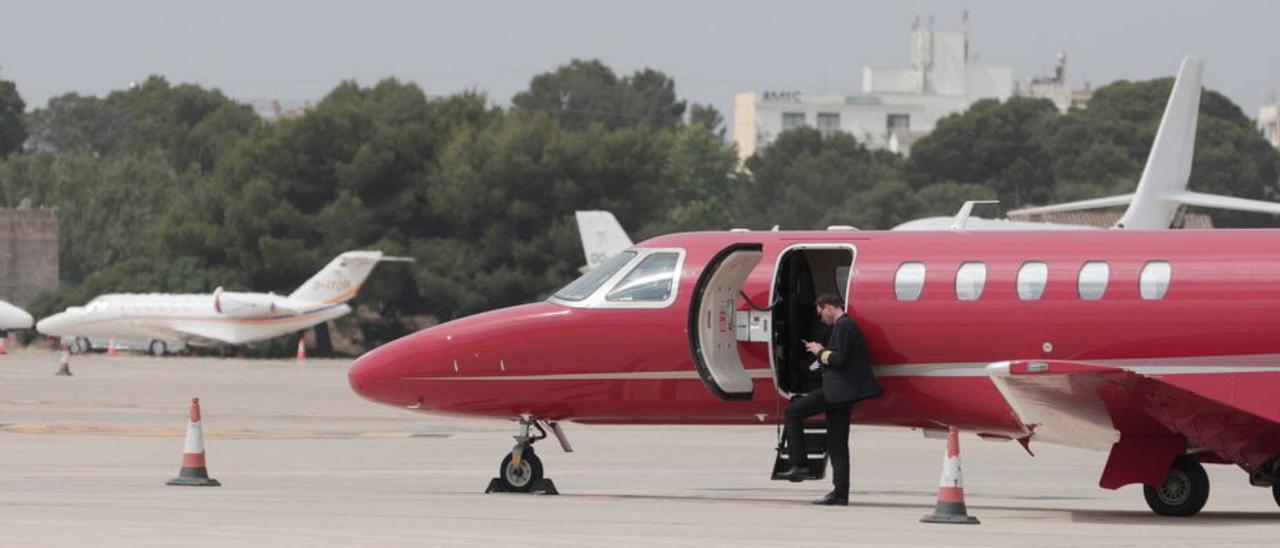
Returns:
point(846, 379)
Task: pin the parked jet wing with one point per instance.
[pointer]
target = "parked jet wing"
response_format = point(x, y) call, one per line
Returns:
point(1225, 202)
point(199, 331)
point(1233, 415)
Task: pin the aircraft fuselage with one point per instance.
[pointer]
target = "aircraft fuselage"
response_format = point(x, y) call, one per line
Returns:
point(1207, 321)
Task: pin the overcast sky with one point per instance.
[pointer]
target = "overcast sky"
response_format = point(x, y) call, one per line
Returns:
point(298, 49)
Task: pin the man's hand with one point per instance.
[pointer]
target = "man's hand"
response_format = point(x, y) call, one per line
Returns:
point(814, 348)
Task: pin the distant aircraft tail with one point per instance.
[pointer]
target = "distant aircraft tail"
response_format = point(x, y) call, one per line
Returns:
point(1162, 190)
point(341, 279)
point(602, 236)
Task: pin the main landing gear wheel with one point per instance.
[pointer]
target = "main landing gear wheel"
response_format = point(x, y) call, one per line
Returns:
point(1184, 491)
point(159, 348)
point(520, 478)
point(1275, 492)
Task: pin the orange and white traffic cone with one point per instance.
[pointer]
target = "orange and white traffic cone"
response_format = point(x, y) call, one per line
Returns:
point(950, 508)
point(302, 348)
point(64, 361)
point(193, 472)
point(111, 348)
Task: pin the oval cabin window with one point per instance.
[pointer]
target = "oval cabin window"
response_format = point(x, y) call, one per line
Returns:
point(1032, 278)
point(1154, 280)
point(909, 281)
point(1092, 284)
point(970, 279)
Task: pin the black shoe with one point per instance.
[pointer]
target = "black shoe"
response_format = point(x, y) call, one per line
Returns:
point(796, 474)
point(832, 500)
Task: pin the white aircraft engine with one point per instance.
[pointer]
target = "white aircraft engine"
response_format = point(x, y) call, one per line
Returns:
point(248, 305)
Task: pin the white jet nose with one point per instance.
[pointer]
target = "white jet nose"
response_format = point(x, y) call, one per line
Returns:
point(12, 317)
point(53, 325)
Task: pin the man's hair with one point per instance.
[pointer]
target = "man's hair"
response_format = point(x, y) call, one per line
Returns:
point(830, 299)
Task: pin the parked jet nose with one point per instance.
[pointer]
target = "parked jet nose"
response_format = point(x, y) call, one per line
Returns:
point(384, 374)
point(12, 317)
point(408, 372)
point(374, 374)
point(54, 325)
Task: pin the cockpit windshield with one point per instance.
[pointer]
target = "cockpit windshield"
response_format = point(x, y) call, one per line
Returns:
point(649, 281)
point(588, 283)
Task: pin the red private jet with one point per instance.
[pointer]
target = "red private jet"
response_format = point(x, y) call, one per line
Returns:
point(1161, 347)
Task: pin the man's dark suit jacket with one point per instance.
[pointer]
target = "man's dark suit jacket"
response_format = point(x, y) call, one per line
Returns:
point(846, 367)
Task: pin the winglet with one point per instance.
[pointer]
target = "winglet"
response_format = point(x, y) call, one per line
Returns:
point(962, 216)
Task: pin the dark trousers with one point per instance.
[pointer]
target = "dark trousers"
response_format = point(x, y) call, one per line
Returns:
point(837, 434)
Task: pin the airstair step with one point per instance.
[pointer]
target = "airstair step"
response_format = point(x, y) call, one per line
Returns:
point(815, 444)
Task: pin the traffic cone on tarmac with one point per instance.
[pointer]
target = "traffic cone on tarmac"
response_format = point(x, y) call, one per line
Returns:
point(193, 472)
point(302, 348)
point(111, 348)
point(950, 508)
point(64, 361)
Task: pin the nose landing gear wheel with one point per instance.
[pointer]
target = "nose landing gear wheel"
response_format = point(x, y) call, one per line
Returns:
point(1184, 491)
point(520, 478)
point(521, 469)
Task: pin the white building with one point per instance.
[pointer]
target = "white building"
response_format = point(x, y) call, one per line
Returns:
point(896, 105)
point(1269, 122)
point(279, 109)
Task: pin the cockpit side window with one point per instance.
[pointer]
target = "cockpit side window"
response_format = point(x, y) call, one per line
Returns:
point(649, 281)
point(588, 283)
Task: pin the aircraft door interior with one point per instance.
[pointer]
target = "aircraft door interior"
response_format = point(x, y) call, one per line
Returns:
point(712, 317)
point(802, 274)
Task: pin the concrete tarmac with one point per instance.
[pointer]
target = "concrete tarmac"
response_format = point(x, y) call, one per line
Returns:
point(306, 462)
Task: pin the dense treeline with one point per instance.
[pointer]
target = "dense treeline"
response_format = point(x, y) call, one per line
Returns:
point(167, 187)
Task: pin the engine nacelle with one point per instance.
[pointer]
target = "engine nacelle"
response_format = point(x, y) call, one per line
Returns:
point(248, 305)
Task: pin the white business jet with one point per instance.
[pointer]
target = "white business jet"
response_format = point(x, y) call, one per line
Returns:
point(222, 317)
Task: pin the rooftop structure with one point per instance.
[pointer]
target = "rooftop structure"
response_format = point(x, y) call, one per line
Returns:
point(896, 105)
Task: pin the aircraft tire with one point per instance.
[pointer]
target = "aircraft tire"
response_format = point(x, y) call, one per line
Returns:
point(1275, 492)
point(520, 478)
point(158, 348)
point(1184, 491)
point(82, 346)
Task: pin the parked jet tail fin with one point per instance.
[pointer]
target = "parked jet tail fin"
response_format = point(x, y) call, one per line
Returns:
point(602, 236)
point(1162, 190)
point(339, 280)
point(1169, 162)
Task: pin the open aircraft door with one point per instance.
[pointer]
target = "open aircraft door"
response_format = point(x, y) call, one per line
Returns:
point(712, 329)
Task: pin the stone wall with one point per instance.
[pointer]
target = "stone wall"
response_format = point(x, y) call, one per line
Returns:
point(28, 253)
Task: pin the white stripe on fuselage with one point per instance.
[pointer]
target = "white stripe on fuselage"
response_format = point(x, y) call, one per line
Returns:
point(1259, 363)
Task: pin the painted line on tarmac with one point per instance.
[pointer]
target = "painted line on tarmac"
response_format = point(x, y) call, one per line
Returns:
point(151, 432)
